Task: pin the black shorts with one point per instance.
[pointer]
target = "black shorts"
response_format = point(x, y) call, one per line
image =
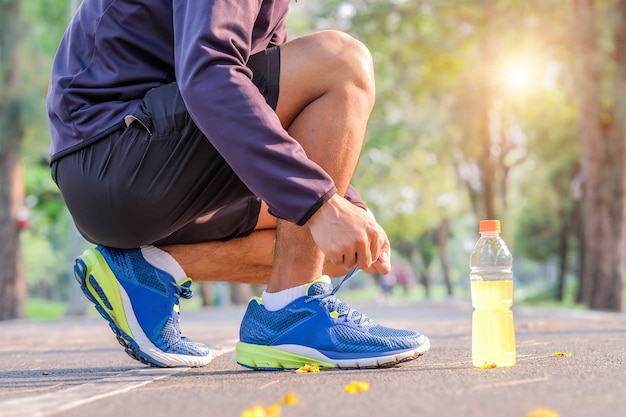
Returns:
point(169, 186)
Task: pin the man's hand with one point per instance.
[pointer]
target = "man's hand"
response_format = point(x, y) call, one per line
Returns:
point(349, 235)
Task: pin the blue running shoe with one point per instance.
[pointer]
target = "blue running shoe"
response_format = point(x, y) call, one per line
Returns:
point(319, 328)
point(141, 304)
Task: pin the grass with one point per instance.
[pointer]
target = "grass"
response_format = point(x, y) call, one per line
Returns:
point(523, 295)
point(40, 309)
point(415, 293)
point(544, 297)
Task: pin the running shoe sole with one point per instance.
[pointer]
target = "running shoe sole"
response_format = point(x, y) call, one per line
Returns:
point(287, 357)
point(112, 302)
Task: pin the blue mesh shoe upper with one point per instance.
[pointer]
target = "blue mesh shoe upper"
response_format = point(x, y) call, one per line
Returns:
point(323, 322)
point(154, 295)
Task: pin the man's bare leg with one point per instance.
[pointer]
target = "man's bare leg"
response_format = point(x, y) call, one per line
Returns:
point(326, 96)
point(223, 261)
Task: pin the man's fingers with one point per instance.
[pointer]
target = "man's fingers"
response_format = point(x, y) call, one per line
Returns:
point(362, 256)
point(349, 236)
point(348, 261)
point(383, 264)
point(383, 268)
point(376, 245)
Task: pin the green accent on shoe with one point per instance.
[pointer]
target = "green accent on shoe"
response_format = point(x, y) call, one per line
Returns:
point(269, 358)
point(108, 282)
point(324, 279)
point(184, 281)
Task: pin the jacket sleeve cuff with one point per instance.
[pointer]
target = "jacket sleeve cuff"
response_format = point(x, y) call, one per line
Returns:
point(353, 197)
point(316, 206)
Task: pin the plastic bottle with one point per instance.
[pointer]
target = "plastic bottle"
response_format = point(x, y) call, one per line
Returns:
point(491, 281)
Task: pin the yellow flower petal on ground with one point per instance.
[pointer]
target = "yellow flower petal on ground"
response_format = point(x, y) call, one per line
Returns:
point(350, 389)
point(566, 354)
point(256, 411)
point(542, 412)
point(313, 368)
point(363, 386)
point(357, 386)
point(271, 410)
point(290, 399)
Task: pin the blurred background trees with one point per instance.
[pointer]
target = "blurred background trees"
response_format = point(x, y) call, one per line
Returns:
point(12, 284)
point(509, 109)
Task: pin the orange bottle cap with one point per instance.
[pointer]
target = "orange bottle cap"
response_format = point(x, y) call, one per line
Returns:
point(489, 226)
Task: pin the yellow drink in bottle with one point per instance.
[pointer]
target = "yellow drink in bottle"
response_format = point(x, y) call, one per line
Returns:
point(493, 330)
point(491, 283)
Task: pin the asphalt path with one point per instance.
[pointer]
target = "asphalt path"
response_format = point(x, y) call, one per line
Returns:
point(74, 367)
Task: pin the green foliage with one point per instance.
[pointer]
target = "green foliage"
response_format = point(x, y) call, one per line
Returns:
point(42, 309)
point(45, 244)
point(441, 67)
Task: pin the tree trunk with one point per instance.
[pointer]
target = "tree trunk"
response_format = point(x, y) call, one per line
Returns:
point(12, 284)
point(563, 251)
point(240, 294)
point(602, 163)
point(612, 296)
point(206, 293)
point(580, 235)
point(424, 277)
point(442, 241)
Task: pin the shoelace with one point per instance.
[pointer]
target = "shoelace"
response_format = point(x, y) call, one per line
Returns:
point(181, 290)
point(334, 304)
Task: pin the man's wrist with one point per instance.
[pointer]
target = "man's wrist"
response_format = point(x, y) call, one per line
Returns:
point(319, 204)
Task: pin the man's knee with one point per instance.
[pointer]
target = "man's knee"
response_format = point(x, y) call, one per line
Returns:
point(349, 58)
point(324, 64)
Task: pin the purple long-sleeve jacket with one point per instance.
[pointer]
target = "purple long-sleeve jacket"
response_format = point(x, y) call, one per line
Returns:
point(114, 51)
